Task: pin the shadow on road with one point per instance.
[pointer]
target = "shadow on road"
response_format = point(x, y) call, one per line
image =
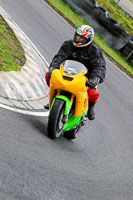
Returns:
point(40, 125)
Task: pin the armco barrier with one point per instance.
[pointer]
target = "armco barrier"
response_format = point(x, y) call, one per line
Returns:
point(116, 37)
point(127, 51)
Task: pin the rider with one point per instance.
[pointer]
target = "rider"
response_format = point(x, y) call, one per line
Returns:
point(82, 48)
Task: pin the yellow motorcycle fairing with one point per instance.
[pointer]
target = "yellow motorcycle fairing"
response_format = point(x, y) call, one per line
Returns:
point(74, 84)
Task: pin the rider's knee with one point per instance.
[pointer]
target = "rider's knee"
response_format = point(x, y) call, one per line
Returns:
point(93, 95)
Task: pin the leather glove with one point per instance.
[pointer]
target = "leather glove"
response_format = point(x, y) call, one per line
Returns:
point(49, 74)
point(93, 82)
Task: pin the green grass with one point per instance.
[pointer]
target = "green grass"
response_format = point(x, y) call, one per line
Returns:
point(77, 20)
point(118, 14)
point(12, 56)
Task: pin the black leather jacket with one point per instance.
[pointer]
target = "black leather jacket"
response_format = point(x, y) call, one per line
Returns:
point(90, 55)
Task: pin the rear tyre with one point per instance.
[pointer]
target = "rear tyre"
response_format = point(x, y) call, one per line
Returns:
point(72, 134)
point(55, 122)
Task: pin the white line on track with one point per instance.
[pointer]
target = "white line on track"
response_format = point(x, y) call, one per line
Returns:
point(25, 112)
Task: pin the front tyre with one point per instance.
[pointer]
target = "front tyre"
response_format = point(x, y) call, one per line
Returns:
point(55, 122)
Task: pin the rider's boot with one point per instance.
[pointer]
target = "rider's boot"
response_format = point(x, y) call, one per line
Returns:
point(91, 112)
point(46, 106)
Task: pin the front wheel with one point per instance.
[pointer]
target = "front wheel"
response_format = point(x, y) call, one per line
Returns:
point(55, 122)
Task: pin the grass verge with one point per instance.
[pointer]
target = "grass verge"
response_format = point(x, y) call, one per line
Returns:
point(12, 56)
point(75, 20)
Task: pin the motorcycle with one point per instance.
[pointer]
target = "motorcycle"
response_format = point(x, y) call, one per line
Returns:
point(68, 100)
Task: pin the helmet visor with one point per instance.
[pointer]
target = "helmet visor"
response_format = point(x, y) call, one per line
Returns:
point(79, 39)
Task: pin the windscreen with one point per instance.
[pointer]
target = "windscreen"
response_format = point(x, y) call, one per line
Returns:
point(71, 67)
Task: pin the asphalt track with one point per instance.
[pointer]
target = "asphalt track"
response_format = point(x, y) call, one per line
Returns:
point(95, 166)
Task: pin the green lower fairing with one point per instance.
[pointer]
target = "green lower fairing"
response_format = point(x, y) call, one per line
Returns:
point(73, 122)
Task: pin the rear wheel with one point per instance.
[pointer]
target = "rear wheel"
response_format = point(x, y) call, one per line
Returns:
point(72, 134)
point(55, 122)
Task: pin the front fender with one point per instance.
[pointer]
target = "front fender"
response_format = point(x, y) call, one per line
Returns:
point(68, 103)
